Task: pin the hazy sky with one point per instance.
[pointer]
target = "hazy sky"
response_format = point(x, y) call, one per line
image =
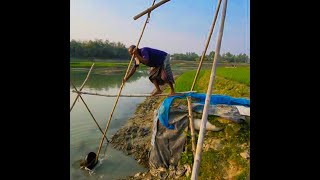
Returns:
point(178, 26)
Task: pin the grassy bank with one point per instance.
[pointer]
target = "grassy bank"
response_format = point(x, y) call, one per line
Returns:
point(229, 81)
point(97, 60)
point(225, 155)
point(240, 74)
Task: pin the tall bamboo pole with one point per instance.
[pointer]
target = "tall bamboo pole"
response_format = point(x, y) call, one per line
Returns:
point(195, 79)
point(197, 159)
point(122, 84)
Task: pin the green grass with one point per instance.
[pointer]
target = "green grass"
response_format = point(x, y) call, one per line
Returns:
point(226, 161)
point(106, 63)
point(216, 164)
point(234, 137)
point(239, 74)
point(78, 59)
point(228, 81)
point(98, 60)
point(184, 82)
point(85, 64)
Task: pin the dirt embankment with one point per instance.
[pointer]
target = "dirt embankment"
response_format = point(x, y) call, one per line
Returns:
point(226, 154)
point(135, 136)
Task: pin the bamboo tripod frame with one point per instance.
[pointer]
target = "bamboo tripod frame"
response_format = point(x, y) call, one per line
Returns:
point(197, 151)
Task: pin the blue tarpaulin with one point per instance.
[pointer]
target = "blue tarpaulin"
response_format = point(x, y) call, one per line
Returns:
point(163, 112)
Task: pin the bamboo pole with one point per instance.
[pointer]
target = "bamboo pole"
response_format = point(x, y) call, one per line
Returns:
point(79, 93)
point(129, 95)
point(150, 9)
point(193, 143)
point(207, 44)
point(197, 159)
point(195, 79)
point(84, 82)
point(122, 84)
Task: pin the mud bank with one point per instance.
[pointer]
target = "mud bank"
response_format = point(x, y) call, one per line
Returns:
point(135, 136)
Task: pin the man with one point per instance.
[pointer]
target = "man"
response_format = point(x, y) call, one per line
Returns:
point(158, 60)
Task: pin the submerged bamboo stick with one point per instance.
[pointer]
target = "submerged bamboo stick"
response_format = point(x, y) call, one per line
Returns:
point(84, 82)
point(197, 158)
point(195, 79)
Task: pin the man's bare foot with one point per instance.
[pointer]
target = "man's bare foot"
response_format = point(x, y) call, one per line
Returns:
point(156, 92)
point(172, 93)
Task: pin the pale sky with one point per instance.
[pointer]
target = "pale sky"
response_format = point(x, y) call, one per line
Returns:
point(178, 26)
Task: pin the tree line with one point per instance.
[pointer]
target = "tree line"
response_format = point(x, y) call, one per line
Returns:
point(225, 57)
point(116, 50)
point(98, 49)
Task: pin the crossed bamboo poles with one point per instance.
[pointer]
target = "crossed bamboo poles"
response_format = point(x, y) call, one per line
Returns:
point(79, 95)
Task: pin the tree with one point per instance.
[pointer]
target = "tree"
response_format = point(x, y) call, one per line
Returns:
point(189, 56)
point(98, 49)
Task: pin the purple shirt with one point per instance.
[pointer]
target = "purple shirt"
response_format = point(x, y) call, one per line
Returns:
point(154, 57)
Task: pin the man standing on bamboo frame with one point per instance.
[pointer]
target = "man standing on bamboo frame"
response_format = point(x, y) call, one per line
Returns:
point(158, 60)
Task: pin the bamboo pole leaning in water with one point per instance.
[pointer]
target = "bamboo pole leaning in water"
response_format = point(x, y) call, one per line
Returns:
point(197, 158)
point(130, 95)
point(195, 79)
point(122, 84)
point(74, 102)
point(79, 93)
